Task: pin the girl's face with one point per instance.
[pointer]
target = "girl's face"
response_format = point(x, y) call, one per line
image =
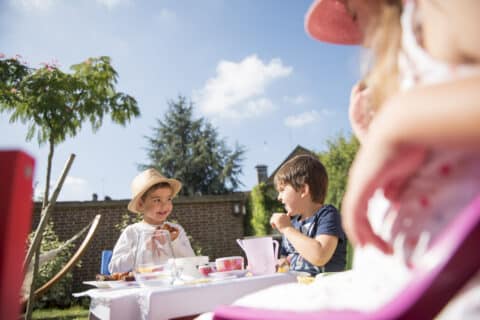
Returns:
point(157, 205)
point(290, 198)
point(450, 29)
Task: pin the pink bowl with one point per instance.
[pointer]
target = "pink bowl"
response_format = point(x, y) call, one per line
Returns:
point(205, 269)
point(229, 263)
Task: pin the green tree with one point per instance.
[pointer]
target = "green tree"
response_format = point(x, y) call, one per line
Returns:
point(55, 104)
point(337, 159)
point(190, 150)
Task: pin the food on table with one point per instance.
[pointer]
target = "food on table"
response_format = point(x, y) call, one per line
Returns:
point(116, 276)
point(229, 263)
point(205, 269)
point(305, 279)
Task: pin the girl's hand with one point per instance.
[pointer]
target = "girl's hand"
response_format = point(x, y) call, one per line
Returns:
point(174, 232)
point(161, 236)
point(360, 112)
point(280, 221)
point(379, 164)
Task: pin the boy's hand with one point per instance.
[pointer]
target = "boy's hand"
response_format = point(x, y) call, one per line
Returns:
point(283, 264)
point(280, 221)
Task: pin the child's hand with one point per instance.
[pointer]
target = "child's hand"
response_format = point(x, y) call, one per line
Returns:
point(160, 236)
point(280, 221)
point(379, 164)
point(360, 111)
point(174, 232)
point(283, 264)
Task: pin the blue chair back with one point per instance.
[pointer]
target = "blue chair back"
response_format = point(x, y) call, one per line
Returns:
point(106, 257)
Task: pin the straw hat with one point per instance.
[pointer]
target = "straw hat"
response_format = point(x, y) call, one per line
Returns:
point(148, 178)
point(329, 21)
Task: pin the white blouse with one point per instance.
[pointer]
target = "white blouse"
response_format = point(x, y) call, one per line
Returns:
point(124, 252)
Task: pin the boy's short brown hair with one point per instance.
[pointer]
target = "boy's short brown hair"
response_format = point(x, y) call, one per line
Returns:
point(301, 170)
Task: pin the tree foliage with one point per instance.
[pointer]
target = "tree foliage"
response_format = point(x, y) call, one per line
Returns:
point(59, 295)
point(54, 104)
point(191, 151)
point(263, 202)
point(337, 160)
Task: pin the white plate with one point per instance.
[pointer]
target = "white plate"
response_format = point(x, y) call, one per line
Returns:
point(111, 284)
point(224, 274)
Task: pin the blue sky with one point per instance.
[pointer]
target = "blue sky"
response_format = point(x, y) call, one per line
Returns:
point(247, 65)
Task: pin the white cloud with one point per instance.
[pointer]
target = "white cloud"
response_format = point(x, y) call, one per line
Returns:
point(33, 5)
point(166, 14)
point(305, 118)
point(112, 3)
point(74, 189)
point(237, 89)
point(43, 5)
point(295, 100)
point(301, 119)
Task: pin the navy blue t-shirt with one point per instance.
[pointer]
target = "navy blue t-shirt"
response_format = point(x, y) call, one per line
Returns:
point(327, 220)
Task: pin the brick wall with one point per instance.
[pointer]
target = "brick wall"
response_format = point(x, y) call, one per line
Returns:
point(210, 220)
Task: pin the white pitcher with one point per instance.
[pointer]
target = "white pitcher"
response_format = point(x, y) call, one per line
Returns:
point(261, 254)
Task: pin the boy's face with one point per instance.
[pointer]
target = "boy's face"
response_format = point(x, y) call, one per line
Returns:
point(157, 205)
point(291, 199)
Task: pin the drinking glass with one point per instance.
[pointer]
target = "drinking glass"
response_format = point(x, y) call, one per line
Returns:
point(154, 250)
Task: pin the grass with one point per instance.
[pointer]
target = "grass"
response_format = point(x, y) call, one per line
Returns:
point(73, 313)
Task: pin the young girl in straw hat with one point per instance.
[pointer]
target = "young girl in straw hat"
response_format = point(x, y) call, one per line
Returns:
point(152, 196)
point(421, 147)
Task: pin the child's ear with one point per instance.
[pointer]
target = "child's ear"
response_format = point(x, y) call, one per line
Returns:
point(140, 204)
point(305, 190)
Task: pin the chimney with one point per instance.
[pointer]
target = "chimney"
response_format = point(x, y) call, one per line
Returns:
point(262, 175)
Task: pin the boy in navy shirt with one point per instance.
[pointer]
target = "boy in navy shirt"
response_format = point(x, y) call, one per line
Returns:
point(313, 238)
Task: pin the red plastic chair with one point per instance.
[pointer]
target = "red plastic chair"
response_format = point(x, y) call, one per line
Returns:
point(16, 174)
point(426, 294)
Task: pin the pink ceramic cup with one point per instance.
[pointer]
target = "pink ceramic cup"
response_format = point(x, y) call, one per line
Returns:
point(229, 263)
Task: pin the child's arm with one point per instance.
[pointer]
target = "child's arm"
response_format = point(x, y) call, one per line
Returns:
point(318, 250)
point(123, 256)
point(441, 115)
point(181, 245)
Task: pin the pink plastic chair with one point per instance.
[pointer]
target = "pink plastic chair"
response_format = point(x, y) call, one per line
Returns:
point(423, 298)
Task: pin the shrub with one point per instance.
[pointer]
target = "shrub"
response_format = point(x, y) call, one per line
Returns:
point(59, 295)
point(263, 202)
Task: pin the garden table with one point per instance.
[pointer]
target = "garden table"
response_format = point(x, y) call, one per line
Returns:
point(176, 301)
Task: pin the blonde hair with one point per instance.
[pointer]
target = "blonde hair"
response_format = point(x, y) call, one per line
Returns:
point(384, 34)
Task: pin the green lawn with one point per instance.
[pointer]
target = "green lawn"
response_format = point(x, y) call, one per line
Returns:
point(73, 313)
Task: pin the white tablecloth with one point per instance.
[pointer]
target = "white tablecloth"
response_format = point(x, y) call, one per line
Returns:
point(164, 303)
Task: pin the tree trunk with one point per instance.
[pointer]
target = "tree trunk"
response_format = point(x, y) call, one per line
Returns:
point(49, 172)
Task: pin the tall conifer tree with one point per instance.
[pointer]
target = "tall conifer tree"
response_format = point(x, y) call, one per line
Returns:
point(191, 151)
